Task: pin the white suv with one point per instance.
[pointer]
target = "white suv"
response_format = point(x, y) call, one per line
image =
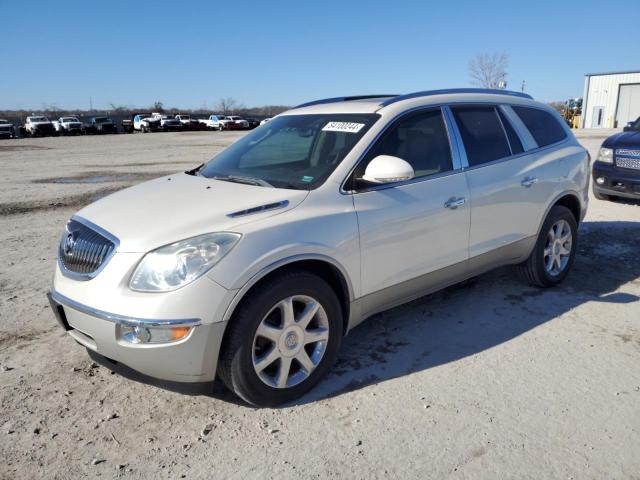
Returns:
point(254, 265)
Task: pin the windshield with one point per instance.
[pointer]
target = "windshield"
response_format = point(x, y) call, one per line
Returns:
point(636, 125)
point(292, 151)
point(101, 119)
point(69, 119)
point(39, 119)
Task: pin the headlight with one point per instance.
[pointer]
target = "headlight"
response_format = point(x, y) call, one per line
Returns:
point(174, 266)
point(605, 155)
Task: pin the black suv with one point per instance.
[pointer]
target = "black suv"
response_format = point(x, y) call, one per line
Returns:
point(616, 171)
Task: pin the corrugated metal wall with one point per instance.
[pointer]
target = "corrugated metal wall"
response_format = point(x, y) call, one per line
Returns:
point(601, 99)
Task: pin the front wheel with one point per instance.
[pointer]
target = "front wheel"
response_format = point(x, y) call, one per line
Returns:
point(555, 249)
point(282, 340)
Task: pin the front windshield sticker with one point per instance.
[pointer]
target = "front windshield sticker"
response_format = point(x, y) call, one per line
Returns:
point(306, 179)
point(348, 127)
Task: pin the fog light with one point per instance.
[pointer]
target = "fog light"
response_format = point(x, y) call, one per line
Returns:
point(600, 180)
point(137, 334)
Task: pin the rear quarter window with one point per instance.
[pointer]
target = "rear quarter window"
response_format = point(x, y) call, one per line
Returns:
point(544, 127)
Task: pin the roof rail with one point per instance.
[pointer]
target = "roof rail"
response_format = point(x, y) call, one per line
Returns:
point(344, 99)
point(448, 91)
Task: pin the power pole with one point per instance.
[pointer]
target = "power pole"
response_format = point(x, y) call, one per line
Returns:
point(523, 83)
point(90, 104)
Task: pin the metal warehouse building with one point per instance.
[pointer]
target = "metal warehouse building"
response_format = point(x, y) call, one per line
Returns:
point(610, 99)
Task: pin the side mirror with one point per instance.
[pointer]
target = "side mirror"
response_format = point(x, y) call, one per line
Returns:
point(627, 128)
point(388, 169)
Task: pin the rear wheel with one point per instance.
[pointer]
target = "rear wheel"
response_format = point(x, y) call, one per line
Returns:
point(282, 340)
point(554, 252)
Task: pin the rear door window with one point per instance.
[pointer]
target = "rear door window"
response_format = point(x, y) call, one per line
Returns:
point(482, 133)
point(544, 127)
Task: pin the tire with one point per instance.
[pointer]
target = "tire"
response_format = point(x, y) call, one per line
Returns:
point(541, 269)
point(243, 347)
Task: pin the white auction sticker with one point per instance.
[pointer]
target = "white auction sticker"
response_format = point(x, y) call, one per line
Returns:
point(348, 127)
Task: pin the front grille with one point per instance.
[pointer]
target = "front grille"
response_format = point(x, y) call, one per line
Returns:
point(626, 158)
point(84, 250)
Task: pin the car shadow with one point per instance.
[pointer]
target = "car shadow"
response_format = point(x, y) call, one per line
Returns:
point(479, 314)
point(460, 321)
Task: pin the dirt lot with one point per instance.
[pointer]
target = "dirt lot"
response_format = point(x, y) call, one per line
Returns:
point(492, 379)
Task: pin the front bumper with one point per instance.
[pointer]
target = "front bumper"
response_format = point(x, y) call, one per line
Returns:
point(193, 359)
point(617, 181)
point(93, 312)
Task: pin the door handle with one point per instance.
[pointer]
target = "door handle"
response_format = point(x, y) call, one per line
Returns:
point(454, 202)
point(528, 181)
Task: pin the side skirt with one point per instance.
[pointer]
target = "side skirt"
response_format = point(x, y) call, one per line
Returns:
point(407, 291)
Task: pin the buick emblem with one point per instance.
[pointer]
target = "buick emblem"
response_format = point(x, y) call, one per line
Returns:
point(291, 340)
point(69, 243)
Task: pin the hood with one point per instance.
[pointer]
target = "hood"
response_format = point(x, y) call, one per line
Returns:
point(623, 140)
point(172, 208)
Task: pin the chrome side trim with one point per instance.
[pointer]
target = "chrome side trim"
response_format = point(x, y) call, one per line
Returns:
point(121, 319)
point(101, 231)
point(258, 209)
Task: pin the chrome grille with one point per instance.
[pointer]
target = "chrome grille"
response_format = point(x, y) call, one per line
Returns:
point(85, 249)
point(628, 162)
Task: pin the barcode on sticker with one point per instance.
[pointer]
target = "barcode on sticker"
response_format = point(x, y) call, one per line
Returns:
point(348, 127)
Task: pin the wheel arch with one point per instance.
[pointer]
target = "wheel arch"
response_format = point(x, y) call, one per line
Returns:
point(325, 267)
point(568, 199)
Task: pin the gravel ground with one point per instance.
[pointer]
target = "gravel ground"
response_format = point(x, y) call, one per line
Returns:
point(489, 379)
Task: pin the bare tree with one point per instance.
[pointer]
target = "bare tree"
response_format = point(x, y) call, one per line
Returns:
point(560, 107)
point(227, 105)
point(489, 70)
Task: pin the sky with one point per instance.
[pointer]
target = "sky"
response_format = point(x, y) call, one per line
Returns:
point(189, 54)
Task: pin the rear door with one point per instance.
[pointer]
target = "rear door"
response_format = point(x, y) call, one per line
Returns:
point(507, 188)
point(411, 229)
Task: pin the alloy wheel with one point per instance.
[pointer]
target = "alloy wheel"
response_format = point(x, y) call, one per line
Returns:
point(557, 249)
point(290, 341)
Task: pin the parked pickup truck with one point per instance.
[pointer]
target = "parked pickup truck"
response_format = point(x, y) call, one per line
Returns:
point(68, 126)
point(616, 171)
point(38, 126)
point(239, 123)
point(99, 125)
point(215, 122)
point(189, 123)
point(167, 123)
point(145, 122)
point(7, 130)
point(127, 125)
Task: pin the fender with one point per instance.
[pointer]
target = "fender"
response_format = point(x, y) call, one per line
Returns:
point(565, 193)
point(281, 263)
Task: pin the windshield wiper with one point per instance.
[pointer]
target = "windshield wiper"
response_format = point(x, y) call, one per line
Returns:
point(245, 180)
point(194, 171)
